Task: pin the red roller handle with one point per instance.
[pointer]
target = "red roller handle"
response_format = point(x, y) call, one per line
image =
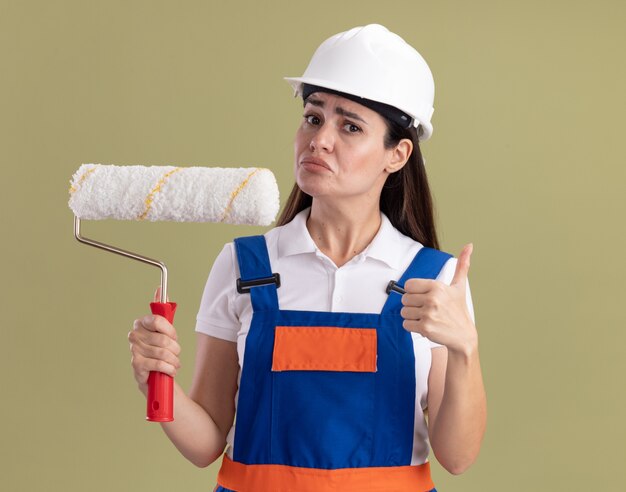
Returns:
point(160, 403)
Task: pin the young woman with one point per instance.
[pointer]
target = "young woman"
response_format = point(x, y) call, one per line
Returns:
point(358, 348)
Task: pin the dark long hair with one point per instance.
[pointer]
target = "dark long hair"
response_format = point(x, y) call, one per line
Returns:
point(405, 198)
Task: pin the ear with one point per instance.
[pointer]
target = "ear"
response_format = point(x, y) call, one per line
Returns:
point(399, 155)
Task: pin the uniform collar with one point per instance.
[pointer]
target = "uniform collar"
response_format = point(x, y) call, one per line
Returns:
point(386, 246)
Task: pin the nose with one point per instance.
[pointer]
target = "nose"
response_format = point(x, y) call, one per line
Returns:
point(323, 139)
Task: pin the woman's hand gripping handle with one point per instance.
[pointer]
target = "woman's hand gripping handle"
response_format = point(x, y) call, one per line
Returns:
point(155, 350)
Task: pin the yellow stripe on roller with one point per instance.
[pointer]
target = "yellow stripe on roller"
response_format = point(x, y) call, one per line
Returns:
point(81, 179)
point(150, 198)
point(236, 192)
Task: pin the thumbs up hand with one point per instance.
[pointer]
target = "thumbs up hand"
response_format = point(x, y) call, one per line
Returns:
point(439, 311)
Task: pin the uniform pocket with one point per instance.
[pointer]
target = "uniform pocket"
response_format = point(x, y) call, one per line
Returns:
point(323, 395)
point(324, 348)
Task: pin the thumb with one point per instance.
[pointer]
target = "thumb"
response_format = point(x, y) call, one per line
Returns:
point(462, 265)
point(157, 295)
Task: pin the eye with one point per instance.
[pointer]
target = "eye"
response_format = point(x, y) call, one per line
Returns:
point(352, 128)
point(312, 119)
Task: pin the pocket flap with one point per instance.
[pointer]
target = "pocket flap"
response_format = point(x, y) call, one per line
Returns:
point(324, 348)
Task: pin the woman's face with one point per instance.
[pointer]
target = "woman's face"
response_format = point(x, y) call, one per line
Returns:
point(339, 150)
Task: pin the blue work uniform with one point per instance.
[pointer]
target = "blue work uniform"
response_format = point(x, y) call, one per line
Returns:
point(305, 422)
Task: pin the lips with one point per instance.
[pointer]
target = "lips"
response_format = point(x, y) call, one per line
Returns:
point(315, 161)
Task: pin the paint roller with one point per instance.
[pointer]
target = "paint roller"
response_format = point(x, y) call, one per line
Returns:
point(167, 193)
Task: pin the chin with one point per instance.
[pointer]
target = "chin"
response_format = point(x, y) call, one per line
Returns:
point(313, 187)
point(312, 191)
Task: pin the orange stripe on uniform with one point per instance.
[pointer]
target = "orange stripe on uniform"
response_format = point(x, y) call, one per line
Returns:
point(324, 348)
point(283, 478)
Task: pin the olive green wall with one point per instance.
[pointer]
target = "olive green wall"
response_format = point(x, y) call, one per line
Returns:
point(526, 161)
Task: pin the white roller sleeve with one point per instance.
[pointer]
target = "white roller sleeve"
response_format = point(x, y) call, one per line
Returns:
point(179, 194)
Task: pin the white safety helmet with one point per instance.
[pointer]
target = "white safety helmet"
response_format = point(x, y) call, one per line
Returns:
point(373, 63)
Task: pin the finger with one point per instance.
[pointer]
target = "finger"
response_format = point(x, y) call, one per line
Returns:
point(143, 366)
point(146, 333)
point(415, 300)
point(411, 313)
point(157, 323)
point(158, 340)
point(412, 325)
point(418, 285)
point(157, 353)
point(462, 265)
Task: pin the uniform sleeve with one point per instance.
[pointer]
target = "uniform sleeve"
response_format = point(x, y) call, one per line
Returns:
point(216, 315)
point(445, 275)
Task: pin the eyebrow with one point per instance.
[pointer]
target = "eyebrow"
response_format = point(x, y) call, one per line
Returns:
point(338, 109)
